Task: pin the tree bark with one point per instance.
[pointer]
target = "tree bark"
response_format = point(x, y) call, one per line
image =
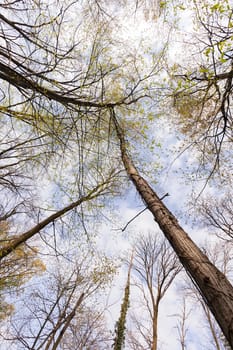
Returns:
point(216, 290)
point(155, 326)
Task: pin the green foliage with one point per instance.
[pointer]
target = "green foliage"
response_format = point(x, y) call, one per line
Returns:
point(16, 269)
point(103, 272)
point(201, 85)
point(121, 323)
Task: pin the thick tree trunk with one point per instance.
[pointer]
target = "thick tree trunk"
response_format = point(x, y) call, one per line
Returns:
point(213, 285)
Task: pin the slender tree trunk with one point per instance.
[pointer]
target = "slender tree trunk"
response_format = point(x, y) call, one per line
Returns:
point(155, 328)
point(121, 323)
point(212, 328)
point(15, 242)
point(68, 321)
point(213, 285)
point(155, 310)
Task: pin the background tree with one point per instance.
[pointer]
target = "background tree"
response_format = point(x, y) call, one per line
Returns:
point(12, 243)
point(218, 214)
point(120, 328)
point(203, 87)
point(15, 271)
point(88, 329)
point(154, 267)
point(50, 313)
point(182, 327)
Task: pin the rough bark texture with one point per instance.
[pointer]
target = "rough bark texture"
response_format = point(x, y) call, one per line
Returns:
point(213, 285)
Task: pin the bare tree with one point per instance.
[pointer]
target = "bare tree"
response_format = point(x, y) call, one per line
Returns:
point(182, 327)
point(120, 328)
point(154, 267)
point(12, 243)
point(218, 214)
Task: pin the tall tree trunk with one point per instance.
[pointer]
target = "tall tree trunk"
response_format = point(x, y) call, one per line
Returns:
point(216, 290)
point(155, 327)
point(121, 323)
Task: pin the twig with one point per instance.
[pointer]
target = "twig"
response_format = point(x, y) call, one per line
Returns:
point(124, 228)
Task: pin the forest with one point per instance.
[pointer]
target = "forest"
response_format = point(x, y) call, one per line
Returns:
point(116, 212)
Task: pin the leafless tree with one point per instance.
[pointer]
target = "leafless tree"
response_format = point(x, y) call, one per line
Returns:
point(182, 326)
point(218, 214)
point(154, 267)
point(12, 243)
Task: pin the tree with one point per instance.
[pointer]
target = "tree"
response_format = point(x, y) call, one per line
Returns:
point(16, 270)
point(203, 86)
point(182, 325)
point(218, 215)
point(221, 256)
point(86, 106)
point(120, 328)
point(10, 245)
point(49, 317)
point(213, 285)
point(154, 267)
point(88, 329)
point(64, 134)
